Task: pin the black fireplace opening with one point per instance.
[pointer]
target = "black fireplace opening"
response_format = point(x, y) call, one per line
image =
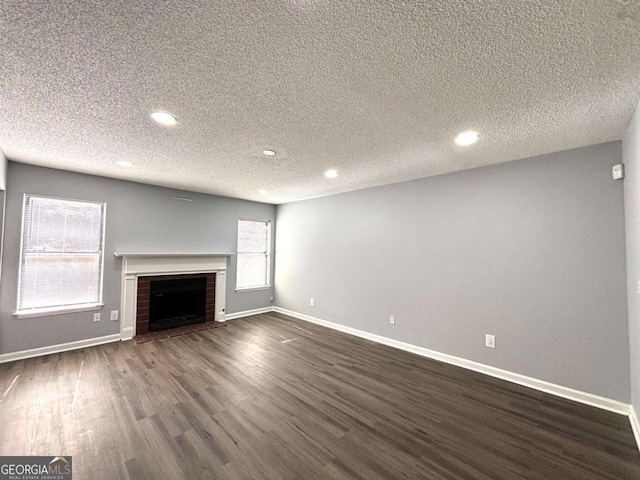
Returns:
point(176, 303)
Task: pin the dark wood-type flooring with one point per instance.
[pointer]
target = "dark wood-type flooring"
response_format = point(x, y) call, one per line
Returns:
point(271, 397)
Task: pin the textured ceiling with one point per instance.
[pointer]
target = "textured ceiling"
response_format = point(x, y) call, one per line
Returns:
point(375, 89)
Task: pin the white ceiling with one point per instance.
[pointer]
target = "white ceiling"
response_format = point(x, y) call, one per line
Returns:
point(375, 89)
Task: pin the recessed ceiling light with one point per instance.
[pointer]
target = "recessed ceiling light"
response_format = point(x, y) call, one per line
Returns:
point(331, 173)
point(163, 118)
point(269, 153)
point(262, 192)
point(124, 163)
point(467, 138)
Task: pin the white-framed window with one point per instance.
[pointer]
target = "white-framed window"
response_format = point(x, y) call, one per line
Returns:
point(61, 255)
point(254, 254)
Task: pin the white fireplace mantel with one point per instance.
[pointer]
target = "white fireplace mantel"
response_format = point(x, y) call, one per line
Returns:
point(136, 265)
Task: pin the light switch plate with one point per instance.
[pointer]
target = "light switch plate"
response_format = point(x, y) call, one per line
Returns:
point(617, 171)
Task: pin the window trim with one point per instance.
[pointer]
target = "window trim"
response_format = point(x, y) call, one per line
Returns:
point(267, 285)
point(253, 289)
point(61, 309)
point(49, 311)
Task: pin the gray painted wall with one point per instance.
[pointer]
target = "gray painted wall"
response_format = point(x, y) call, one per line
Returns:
point(532, 251)
point(2, 203)
point(631, 158)
point(3, 171)
point(3, 184)
point(140, 218)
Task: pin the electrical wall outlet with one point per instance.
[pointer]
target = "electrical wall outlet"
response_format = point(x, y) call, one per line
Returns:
point(96, 317)
point(617, 171)
point(114, 315)
point(271, 298)
point(490, 341)
point(392, 319)
point(312, 302)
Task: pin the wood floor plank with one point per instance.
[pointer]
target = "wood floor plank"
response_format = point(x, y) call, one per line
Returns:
point(271, 397)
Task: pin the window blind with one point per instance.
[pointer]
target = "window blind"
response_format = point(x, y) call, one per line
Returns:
point(253, 254)
point(61, 253)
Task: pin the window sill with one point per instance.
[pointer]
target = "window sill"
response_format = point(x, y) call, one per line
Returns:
point(46, 312)
point(253, 289)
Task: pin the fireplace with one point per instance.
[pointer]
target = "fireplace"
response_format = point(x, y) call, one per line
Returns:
point(140, 270)
point(172, 301)
point(176, 303)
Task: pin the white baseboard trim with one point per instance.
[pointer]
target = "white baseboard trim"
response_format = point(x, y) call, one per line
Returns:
point(541, 385)
point(62, 347)
point(248, 313)
point(635, 424)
